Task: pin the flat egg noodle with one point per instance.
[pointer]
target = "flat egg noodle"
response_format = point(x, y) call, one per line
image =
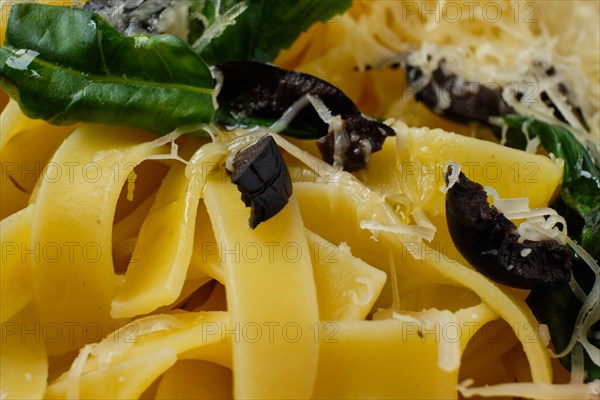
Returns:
point(165, 244)
point(274, 288)
point(73, 275)
point(16, 289)
point(23, 165)
point(23, 365)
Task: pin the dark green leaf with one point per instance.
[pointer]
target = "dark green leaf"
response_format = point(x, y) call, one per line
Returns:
point(580, 189)
point(227, 117)
point(557, 306)
point(66, 65)
point(264, 27)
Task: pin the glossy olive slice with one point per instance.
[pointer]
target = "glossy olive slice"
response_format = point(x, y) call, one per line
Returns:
point(490, 242)
point(263, 179)
point(265, 92)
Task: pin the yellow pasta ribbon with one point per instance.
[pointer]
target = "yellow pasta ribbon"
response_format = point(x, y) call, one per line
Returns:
point(195, 379)
point(508, 307)
point(26, 146)
point(323, 205)
point(73, 276)
point(412, 165)
point(16, 289)
point(23, 364)
point(347, 287)
point(392, 358)
point(205, 256)
point(126, 362)
point(166, 238)
point(270, 293)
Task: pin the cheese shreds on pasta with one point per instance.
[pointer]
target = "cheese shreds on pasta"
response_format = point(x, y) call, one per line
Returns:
point(540, 391)
point(129, 269)
point(497, 44)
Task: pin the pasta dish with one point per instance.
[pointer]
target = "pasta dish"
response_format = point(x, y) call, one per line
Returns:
point(341, 199)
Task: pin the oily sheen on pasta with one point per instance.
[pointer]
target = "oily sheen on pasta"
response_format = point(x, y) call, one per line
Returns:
point(129, 269)
point(307, 304)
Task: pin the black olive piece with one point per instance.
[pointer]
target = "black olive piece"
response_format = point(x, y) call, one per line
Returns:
point(456, 99)
point(464, 101)
point(363, 136)
point(489, 241)
point(264, 91)
point(263, 179)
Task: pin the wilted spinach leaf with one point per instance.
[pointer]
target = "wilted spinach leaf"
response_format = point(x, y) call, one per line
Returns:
point(580, 189)
point(261, 28)
point(67, 65)
point(557, 306)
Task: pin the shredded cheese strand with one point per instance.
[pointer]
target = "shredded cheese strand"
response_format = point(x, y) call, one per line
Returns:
point(539, 391)
point(74, 374)
point(590, 310)
point(424, 232)
point(288, 115)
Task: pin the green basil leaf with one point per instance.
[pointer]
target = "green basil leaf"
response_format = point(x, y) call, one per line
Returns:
point(258, 29)
point(67, 65)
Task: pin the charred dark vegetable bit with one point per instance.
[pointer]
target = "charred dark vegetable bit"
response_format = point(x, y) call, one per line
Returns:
point(262, 91)
point(463, 101)
point(263, 179)
point(131, 16)
point(456, 99)
point(562, 88)
point(357, 138)
point(490, 242)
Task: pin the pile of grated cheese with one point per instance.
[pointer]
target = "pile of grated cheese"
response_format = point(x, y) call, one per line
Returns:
point(502, 42)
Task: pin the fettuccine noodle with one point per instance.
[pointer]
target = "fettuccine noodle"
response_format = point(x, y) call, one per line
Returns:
point(129, 270)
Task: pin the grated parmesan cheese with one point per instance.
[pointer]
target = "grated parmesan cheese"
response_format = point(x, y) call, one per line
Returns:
point(74, 373)
point(544, 334)
point(540, 391)
point(525, 252)
point(219, 24)
point(118, 342)
point(365, 296)
point(577, 365)
point(341, 142)
point(431, 320)
point(453, 176)
point(536, 227)
point(421, 231)
point(170, 139)
point(170, 20)
point(219, 79)
point(288, 115)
